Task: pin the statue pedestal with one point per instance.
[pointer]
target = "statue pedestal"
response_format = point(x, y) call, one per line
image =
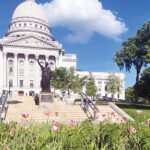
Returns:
point(46, 100)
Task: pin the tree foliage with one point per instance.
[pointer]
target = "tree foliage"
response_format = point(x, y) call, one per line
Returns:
point(67, 80)
point(113, 84)
point(91, 88)
point(129, 93)
point(134, 54)
point(144, 84)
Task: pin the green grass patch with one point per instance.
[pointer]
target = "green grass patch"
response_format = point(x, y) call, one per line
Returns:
point(131, 109)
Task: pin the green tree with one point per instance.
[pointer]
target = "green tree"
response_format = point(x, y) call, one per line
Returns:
point(91, 88)
point(144, 84)
point(59, 78)
point(132, 54)
point(129, 93)
point(67, 80)
point(113, 84)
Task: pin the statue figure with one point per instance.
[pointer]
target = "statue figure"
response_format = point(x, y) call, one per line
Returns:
point(46, 76)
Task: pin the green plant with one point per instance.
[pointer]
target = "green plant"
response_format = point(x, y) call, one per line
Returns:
point(86, 135)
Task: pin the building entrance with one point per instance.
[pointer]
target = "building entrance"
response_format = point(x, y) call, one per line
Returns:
point(21, 93)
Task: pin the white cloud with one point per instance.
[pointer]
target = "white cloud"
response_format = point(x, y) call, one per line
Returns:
point(83, 18)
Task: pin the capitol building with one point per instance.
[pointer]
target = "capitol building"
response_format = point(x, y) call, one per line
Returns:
point(29, 38)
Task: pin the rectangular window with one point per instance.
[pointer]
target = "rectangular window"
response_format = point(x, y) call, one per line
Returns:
point(31, 83)
point(21, 83)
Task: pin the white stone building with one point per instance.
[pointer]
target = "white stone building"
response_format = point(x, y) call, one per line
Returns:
point(29, 38)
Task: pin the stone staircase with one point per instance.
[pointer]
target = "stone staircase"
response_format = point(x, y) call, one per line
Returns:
point(106, 113)
point(66, 113)
point(18, 105)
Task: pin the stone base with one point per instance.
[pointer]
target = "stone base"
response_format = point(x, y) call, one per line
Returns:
point(46, 100)
point(46, 106)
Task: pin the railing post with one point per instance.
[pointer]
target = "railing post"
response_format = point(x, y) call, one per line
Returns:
point(82, 103)
point(87, 105)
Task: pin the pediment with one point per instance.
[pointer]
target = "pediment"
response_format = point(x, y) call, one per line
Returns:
point(31, 41)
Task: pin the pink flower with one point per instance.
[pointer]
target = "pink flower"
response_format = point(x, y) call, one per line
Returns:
point(124, 118)
point(139, 112)
point(58, 124)
point(95, 111)
point(132, 129)
point(109, 118)
point(148, 121)
point(18, 123)
point(103, 115)
point(53, 121)
point(5, 148)
point(56, 113)
point(73, 123)
point(25, 115)
point(7, 123)
point(112, 113)
point(47, 113)
point(108, 113)
point(97, 117)
point(55, 128)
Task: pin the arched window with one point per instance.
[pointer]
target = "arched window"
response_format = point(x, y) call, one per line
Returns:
point(10, 66)
point(21, 68)
point(31, 68)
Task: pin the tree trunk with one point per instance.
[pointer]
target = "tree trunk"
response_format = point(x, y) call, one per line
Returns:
point(113, 99)
point(136, 87)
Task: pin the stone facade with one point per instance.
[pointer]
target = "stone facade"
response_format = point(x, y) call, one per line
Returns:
point(29, 38)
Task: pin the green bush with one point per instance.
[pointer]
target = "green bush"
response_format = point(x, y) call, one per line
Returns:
point(77, 100)
point(83, 136)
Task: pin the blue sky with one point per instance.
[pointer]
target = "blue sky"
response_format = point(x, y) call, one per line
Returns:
point(96, 50)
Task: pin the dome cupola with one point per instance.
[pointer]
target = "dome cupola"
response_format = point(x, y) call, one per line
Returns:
point(29, 18)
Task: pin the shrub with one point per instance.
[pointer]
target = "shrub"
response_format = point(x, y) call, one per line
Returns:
point(86, 135)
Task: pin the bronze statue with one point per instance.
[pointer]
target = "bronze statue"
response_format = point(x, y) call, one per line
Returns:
point(46, 76)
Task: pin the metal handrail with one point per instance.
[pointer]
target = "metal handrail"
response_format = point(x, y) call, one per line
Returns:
point(3, 101)
point(86, 102)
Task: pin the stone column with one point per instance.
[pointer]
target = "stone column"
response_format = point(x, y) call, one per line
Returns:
point(37, 73)
point(56, 62)
point(47, 58)
point(26, 70)
point(4, 69)
point(15, 67)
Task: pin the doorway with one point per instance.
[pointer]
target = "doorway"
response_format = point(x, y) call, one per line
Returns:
point(21, 93)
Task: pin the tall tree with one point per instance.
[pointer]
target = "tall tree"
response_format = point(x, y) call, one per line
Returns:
point(132, 54)
point(113, 84)
point(91, 88)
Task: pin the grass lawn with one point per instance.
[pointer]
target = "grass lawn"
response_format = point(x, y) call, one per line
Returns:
point(131, 109)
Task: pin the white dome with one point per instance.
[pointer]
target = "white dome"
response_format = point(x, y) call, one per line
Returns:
point(29, 18)
point(30, 9)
